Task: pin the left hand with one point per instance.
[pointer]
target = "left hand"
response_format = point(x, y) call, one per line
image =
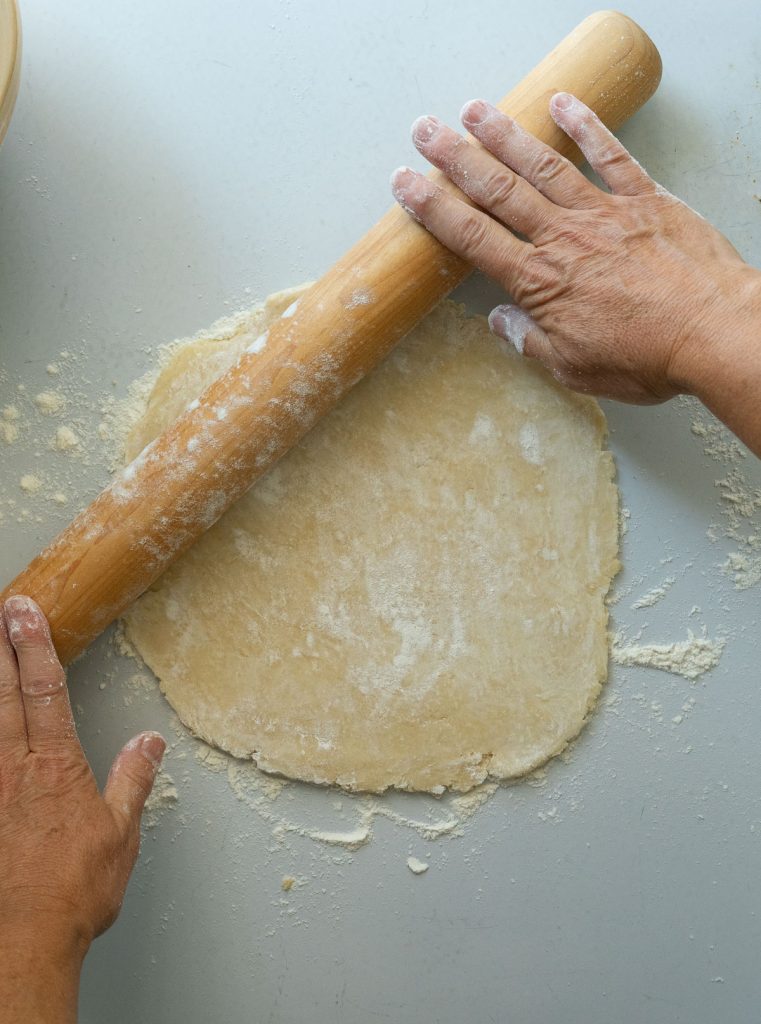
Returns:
point(66, 851)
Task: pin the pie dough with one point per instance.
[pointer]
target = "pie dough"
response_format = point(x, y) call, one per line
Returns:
point(414, 597)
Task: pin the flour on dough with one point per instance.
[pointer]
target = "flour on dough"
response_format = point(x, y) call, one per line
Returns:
point(414, 597)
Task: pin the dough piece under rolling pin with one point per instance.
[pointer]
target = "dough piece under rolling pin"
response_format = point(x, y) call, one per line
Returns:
point(414, 596)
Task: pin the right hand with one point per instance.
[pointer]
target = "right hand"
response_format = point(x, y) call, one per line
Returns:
point(628, 294)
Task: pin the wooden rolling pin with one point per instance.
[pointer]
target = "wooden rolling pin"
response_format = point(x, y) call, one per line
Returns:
point(339, 330)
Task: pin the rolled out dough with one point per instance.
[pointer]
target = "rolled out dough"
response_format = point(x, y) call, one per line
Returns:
point(414, 596)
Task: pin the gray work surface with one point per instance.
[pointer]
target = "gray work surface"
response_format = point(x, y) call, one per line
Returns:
point(170, 162)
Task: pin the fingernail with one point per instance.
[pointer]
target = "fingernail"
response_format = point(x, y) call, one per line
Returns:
point(401, 179)
point(22, 613)
point(475, 112)
point(20, 604)
point(410, 188)
point(425, 127)
point(498, 321)
point(511, 324)
point(152, 746)
point(562, 101)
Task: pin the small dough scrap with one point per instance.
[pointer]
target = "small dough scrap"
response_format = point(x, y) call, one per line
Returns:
point(414, 597)
point(417, 867)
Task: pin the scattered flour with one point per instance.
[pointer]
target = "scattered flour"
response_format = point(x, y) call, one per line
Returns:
point(446, 816)
point(718, 442)
point(744, 569)
point(164, 797)
point(740, 500)
point(360, 297)
point(689, 658)
point(652, 597)
point(530, 445)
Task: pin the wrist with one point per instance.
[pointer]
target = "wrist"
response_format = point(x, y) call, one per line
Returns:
point(41, 961)
point(721, 354)
point(54, 935)
point(722, 364)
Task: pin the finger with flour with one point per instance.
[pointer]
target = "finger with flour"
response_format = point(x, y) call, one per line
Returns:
point(470, 233)
point(605, 154)
point(484, 179)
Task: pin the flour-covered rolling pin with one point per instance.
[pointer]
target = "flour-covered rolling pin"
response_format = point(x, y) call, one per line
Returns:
point(339, 330)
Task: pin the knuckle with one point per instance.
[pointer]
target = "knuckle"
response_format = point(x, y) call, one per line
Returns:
point(141, 777)
point(139, 774)
point(611, 155)
point(9, 687)
point(43, 682)
point(501, 187)
point(473, 233)
point(540, 277)
point(548, 167)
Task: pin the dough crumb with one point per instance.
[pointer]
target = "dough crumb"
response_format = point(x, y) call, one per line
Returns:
point(417, 867)
point(9, 432)
point(65, 439)
point(29, 483)
point(9, 429)
point(53, 369)
point(49, 403)
point(288, 883)
point(60, 498)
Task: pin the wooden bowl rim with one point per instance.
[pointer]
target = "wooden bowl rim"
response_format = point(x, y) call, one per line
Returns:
point(10, 60)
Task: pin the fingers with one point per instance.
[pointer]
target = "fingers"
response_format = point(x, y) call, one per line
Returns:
point(604, 153)
point(132, 775)
point(485, 180)
point(469, 233)
point(49, 722)
point(553, 175)
point(12, 720)
point(516, 326)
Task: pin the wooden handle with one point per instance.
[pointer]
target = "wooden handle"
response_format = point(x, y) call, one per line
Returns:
point(341, 328)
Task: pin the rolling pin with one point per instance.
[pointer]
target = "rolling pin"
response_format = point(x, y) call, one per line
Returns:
point(348, 321)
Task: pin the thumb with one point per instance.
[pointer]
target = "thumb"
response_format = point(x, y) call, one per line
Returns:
point(132, 775)
point(513, 324)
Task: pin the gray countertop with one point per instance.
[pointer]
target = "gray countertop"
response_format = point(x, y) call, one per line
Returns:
point(167, 164)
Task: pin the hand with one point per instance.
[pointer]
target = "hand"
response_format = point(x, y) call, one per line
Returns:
point(628, 294)
point(66, 851)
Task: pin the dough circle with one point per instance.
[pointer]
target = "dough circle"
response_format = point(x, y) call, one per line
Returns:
point(414, 597)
